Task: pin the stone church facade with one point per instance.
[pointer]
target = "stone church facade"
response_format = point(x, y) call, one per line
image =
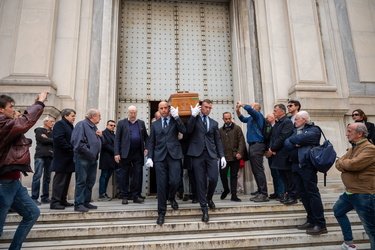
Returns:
point(109, 54)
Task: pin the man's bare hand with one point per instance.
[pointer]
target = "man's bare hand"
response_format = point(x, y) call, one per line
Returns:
point(117, 158)
point(42, 97)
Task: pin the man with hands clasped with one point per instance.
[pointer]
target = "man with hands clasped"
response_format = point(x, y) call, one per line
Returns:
point(204, 148)
point(164, 149)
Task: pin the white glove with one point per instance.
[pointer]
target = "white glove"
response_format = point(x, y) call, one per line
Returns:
point(174, 112)
point(149, 163)
point(196, 110)
point(223, 163)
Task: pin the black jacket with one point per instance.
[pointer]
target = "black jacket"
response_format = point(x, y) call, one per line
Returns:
point(107, 155)
point(44, 146)
point(280, 132)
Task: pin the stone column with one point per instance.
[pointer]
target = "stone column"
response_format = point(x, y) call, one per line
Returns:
point(32, 44)
point(244, 77)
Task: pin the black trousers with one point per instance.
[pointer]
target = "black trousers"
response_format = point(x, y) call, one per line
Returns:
point(168, 173)
point(205, 168)
point(60, 187)
point(306, 181)
point(131, 174)
point(234, 166)
point(288, 181)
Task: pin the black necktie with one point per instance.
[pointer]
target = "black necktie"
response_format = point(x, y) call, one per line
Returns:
point(205, 122)
point(165, 123)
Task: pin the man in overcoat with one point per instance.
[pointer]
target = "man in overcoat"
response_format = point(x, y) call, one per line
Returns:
point(62, 163)
point(107, 163)
point(282, 129)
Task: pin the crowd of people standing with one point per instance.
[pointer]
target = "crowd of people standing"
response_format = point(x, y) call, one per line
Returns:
point(204, 149)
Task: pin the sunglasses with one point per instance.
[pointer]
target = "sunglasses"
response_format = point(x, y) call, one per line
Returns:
point(355, 115)
point(290, 105)
point(112, 125)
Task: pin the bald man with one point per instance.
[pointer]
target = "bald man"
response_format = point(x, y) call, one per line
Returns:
point(86, 144)
point(165, 152)
point(255, 123)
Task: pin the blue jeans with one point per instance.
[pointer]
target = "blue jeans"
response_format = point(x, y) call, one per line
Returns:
point(103, 180)
point(364, 205)
point(14, 195)
point(41, 166)
point(278, 186)
point(85, 179)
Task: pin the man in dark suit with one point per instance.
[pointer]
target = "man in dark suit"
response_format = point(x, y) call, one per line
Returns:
point(107, 161)
point(205, 148)
point(165, 150)
point(131, 143)
point(62, 163)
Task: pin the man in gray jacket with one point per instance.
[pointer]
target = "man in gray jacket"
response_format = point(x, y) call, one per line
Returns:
point(87, 145)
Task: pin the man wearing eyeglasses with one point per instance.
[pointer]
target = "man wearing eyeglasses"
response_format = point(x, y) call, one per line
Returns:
point(107, 162)
point(294, 107)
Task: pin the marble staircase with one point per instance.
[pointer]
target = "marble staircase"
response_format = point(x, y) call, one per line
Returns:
point(233, 225)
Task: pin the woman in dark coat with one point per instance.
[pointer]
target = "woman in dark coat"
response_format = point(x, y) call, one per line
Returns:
point(359, 116)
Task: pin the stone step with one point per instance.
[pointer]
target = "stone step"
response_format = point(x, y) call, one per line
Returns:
point(192, 225)
point(239, 239)
point(114, 210)
point(233, 225)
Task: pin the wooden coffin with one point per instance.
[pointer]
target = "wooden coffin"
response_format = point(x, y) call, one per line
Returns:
point(183, 100)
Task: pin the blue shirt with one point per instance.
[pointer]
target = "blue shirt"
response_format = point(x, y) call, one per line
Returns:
point(254, 132)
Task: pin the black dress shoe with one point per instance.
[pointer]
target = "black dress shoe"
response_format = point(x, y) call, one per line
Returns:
point(290, 201)
point(305, 226)
point(205, 217)
point(211, 204)
point(316, 230)
point(67, 204)
point(224, 195)
point(57, 206)
point(174, 204)
point(160, 220)
point(235, 198)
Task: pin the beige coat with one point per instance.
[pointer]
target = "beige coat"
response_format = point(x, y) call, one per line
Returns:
point(358, 168)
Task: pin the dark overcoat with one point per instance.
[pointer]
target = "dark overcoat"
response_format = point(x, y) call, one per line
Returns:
point(62, 148)
point(282, 130)
point(107, 156)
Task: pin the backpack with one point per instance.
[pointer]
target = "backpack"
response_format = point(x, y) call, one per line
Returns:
point(266, 131)
point(323, 157)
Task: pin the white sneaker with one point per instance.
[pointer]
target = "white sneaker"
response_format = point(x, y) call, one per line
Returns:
point(348, 247)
